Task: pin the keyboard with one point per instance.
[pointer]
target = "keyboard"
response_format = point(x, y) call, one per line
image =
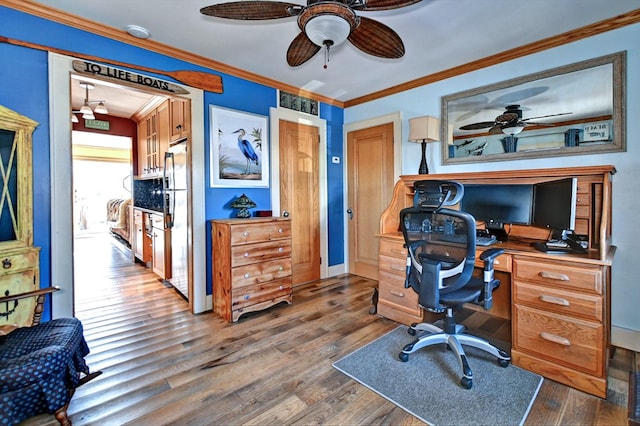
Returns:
point(486, 241)
point(480, 241)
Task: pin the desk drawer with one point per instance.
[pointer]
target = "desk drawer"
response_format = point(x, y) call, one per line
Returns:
point(260, 252)
point(570, 342)
point(391, 290)
point(393, 266)
point(559, 274)
point(393, 249)
point(555, 300)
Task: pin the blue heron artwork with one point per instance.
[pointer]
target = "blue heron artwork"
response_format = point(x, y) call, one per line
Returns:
point(239, 157)
point(247, 150)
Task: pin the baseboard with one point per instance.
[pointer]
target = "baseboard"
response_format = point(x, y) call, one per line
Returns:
point(625, 338)
point(335, 270)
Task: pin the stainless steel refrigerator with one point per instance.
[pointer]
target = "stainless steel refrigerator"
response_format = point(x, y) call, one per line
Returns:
point(175, 214)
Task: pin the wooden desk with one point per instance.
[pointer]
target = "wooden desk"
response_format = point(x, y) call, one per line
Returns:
point(559, 304)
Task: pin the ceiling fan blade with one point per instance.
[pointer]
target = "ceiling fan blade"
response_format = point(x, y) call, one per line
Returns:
point(495, 130)
point(253, 10)
point(376, 39)
point(477, 126)
point(301, 50)
point(506, 117)
point(545, 116)
point(383, 4)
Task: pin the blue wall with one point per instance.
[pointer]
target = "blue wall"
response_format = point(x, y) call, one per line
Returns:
point(24, 88)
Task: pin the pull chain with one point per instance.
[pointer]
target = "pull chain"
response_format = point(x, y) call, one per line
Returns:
point(328, 44)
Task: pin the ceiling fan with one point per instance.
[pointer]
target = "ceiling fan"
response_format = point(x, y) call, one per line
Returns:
point(324, 23)
point(510, 122)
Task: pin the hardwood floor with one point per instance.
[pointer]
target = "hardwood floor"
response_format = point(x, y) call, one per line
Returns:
point(163, 365)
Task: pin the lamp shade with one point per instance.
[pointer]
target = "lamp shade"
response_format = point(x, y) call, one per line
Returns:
point(424, 129)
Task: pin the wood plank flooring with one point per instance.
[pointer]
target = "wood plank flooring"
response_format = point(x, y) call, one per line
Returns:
point(163, 365)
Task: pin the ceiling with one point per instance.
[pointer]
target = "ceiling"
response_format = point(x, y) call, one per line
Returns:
point(437, 34)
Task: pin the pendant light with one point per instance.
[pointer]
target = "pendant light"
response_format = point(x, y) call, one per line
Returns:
point(85, 110)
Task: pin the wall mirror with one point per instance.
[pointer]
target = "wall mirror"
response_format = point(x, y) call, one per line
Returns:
point(571, 110)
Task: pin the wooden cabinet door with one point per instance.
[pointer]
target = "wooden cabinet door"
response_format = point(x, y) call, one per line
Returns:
point(162, 122)
point(179, 119)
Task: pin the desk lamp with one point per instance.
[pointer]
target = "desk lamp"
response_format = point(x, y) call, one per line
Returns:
point(423, 130)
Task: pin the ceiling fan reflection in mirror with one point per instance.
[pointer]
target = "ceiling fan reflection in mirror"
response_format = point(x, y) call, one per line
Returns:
point(323, 23)
point(510, 122)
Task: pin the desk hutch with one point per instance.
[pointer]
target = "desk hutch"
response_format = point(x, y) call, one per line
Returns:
point(558, 304)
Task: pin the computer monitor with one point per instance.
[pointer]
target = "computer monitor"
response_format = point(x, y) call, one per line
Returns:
point(498, 204)
point(554, 205)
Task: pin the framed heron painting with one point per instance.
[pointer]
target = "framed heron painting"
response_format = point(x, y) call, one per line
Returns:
point(239, 149)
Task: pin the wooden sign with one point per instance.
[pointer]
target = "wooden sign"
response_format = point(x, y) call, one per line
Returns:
point(96, 124)
point(106, 72)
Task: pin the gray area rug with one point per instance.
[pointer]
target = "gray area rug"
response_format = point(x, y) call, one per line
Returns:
point(428, 385)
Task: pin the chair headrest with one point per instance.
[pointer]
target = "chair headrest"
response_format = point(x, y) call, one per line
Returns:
point(431, 195)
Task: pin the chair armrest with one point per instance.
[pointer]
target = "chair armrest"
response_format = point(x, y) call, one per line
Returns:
point(490, 284)
point(37, 312)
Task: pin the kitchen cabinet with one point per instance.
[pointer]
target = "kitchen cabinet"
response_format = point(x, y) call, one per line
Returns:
point(161, 244)
point(19, 258)
point(141, 241)
point(251, 265)
point(153, 141)
point(179, 119)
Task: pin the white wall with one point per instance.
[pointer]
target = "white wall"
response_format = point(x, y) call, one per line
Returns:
point(626, 193)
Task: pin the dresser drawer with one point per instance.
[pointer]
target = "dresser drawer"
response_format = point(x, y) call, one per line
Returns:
point(555, 300)
point(570, 342)
point(393, 249)
point(18, 261)
point(261, 272)
point(393, 266)
point(559, 274)
point(251, 295)
point(251, 233)
point(260, 252)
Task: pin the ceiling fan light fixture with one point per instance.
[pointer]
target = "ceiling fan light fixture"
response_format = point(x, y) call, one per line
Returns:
point(89, 116)
point(513, 129)
point(74, 118)
point(323, 28)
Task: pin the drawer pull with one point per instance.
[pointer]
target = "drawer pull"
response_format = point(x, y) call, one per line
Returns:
point(555, 300)
point(397, 293)
point(555, 339)
point(280, 268)
point(6, 263)
point(397, 268)
point(245, 234)
point(246, 297)
point(246, 254)
point(281, 288)
point(280, 230)
point(247, 275)
point(280, 249)
point(553, 276)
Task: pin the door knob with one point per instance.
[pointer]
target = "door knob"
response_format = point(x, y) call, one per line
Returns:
point(285, 213)
point(350, 214)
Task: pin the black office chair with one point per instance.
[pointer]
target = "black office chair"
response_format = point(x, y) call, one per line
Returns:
point(441, 246)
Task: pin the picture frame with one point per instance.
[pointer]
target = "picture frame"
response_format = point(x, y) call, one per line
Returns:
point(571, 110)
point(239, 147)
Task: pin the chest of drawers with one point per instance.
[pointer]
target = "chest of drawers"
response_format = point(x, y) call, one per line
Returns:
point(561, 321)
point(251, 265)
